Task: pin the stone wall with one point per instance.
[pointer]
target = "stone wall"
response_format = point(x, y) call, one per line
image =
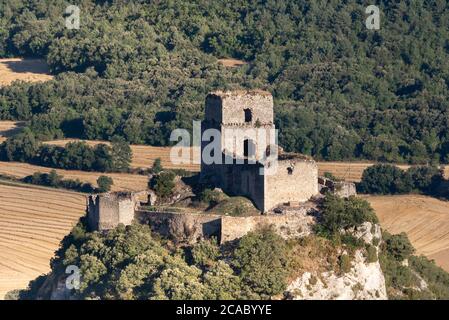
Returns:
point(228, 107)
point(106, 211)
point(294, 180)
point(182, 227)
point(190, 228)
point(287, 225)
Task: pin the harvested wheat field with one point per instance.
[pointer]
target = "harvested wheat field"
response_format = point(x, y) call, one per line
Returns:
point(424, 219)
point(144, 156)
point(9, 128)
point(28, 70)
point(349, 171)
point(33, 221)
point(122, 181)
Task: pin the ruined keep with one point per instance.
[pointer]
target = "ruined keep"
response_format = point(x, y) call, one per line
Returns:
point(106, 211)
point(249, 162)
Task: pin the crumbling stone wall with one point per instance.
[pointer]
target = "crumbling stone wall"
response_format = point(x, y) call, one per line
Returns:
point(286, 225)
point(106, 211)
point(190, 228)
point(295, 180)
point(343, 189)
point(182, 227)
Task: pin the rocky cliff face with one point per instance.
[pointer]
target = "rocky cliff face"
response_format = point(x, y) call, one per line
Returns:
point(364, 280)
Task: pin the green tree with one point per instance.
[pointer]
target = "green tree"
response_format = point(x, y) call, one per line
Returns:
point(261, 258)
point(104, 183)
point(164, 184)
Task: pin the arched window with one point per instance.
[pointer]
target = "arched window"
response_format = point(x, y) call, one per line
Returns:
point(248, 115)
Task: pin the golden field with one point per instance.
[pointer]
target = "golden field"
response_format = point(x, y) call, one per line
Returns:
point(424, 219)
point(9, 128)
point(28, 70)
point(33, 221)
point(122, 181)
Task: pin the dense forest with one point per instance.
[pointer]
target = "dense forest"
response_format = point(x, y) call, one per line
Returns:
point(139, 69)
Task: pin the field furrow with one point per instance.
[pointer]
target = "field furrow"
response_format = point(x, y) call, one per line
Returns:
point(33, 221)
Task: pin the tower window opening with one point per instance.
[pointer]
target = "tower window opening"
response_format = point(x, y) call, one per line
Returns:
point(249, 148)
point(248, 115)
point(290, 170)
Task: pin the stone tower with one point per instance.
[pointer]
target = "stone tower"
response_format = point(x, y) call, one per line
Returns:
point(239, 148)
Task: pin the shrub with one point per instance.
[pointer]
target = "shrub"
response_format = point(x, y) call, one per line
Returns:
point(341, 214)
point(371, 254)
point(104, 183)
point(398, 246)
point(164, 184)
point(261, 258)
point(157, 166)
point(345, 263)
point(205, 253)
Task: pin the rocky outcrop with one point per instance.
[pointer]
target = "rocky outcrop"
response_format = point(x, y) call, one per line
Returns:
point(363, 281)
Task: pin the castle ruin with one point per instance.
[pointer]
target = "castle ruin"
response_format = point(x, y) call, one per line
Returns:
point(247, 154)
point(248, 151)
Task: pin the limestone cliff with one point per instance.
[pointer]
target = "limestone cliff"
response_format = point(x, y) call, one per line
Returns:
point(363, 280)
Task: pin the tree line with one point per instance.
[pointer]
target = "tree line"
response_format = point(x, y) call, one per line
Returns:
point(139, 70)
point(24, 147)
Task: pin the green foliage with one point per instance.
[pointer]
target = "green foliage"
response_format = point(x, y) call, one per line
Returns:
point(385, 179)
point(21, 147)
point(436, 278)
point(398, 246)
point(371, 254)
point(164, 184)
point(339, 214)
point(54, 180)
point(205, 253)
point(157, 166)
point(376, 95)
point(261, 258)
point(121, 154)
point(345, 263)
point(389, 179)
point(104, 183)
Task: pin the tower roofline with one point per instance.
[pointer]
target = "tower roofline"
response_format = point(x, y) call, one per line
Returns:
point(239, 92)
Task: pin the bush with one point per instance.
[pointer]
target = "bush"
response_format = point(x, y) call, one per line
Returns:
point(341, 214)
point(371, 254)
point(157, 166)
point(345, 263)
point(54, 180)
point(389, 179)
point(164, 184)
point(398, 246)
point(205, 253)
point(104, 183)
point(261, 258)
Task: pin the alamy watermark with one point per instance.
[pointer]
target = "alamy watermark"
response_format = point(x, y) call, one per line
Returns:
point(72, 19)
point(73, 281)
point(226, 146)
point(372, 22)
